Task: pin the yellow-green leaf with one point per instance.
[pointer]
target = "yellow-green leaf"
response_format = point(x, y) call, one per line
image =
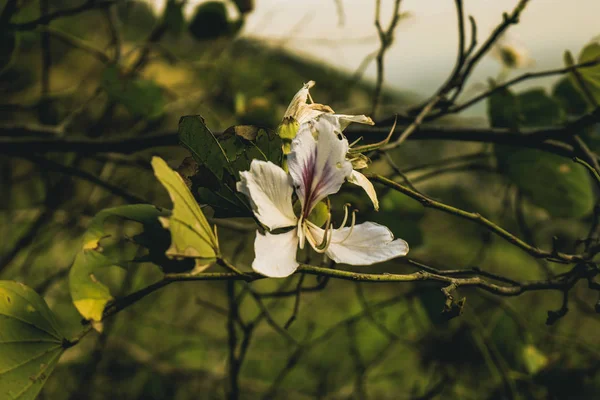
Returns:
point(534, 359)
point(30, 342)
point(89, 295)
point(191, 235)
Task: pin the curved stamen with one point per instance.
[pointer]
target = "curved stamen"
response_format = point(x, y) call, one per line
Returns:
point(328, 227)
point(346, 207)
point(351, 227)
point(356, 141)
point(311, 239)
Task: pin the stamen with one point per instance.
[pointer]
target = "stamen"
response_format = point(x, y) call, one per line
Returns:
point(375, 146)
point(351, 227)
point(328, 227)
point(356, 141)
point(310, 98)
point(346, 207)
point(301, 236)
point(312, 240)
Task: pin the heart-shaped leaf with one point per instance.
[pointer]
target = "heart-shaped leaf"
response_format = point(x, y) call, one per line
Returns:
point(191, 235)
point(31, 342)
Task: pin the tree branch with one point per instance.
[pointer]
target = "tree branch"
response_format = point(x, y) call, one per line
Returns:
point(480, 220)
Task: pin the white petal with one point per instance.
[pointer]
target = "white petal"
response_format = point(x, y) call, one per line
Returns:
point(298, 101)
point(275, 255)
point(269, 189)
point(359, 179)
point(346, 120)
point(367, 244)
point(317, 162)
point(309, 112)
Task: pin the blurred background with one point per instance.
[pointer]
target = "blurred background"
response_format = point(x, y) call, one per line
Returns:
point(110, 71)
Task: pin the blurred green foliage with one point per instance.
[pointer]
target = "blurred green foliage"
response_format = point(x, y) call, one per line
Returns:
point(141, 97)
point(385, 340)
point(543, 177)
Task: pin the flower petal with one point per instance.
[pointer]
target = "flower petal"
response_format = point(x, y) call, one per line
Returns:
point(298, 101)
point(359, 179)
point(269, 189)
point(367, 244)
point(317, 162)
point(275, 255)
point(346, 120)
point(309, 112)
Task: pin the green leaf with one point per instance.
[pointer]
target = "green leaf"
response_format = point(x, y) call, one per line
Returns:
point(31, 342)
point(590, 75)
point(209, 21)
point(270, 145)
point(204, 146)
point(141, 97)
point(89, 295)
point(552, 182)
point(538, 109)
point(569, 97)
point(220, 160)
point(214, 184)
point(241, 150)
point(191, 235)
point(173, 16)
point(503, 110)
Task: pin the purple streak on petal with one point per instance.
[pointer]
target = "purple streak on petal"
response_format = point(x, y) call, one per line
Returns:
point(318, 166)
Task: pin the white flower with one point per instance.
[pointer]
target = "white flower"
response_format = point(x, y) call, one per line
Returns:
point(300, 112)
point(317, 168)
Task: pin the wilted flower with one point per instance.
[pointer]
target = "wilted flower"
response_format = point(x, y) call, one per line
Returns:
point(318, 167)
point(511, 53)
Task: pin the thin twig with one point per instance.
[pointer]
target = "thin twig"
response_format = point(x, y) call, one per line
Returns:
point(477, 218)
point(412, 127)
point(79, 173)
point(75, 42)
point(519, 79)
point(386, 38)
point(296, 303)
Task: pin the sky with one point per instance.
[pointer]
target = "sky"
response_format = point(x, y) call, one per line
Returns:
point(424, 49)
